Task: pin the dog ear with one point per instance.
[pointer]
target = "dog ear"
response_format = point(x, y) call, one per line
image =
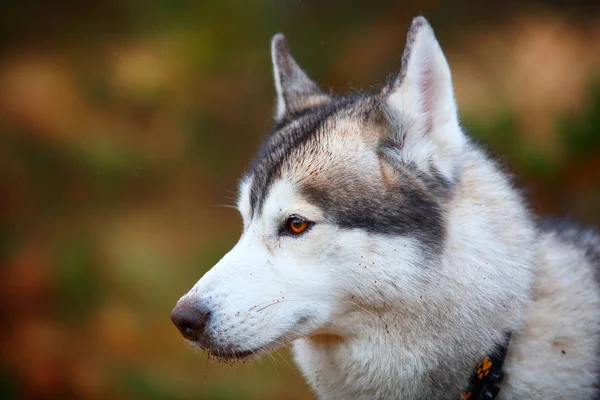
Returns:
point(420, 102)
point(295, 90)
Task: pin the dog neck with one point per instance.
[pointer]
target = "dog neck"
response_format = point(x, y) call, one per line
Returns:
point(426, 347)
point(385, 363)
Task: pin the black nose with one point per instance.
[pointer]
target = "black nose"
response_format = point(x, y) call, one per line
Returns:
point(190, 321)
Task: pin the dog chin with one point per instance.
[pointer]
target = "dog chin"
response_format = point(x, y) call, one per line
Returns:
point(225, 354)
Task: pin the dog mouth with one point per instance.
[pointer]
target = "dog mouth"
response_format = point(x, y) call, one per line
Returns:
point(229, 354)
point(238, 355)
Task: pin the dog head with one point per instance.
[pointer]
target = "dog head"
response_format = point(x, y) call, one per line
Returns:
point(344, 208)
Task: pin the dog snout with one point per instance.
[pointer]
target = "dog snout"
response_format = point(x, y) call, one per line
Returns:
point(190, 320)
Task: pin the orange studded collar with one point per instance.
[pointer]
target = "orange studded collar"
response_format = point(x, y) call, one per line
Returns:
point(487, 375)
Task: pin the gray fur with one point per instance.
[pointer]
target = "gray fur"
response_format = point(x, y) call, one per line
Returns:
point(412, 204)
point(421, 255)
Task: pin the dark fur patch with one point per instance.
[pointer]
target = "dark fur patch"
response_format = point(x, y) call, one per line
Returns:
point(399, 210)
point(433, 183)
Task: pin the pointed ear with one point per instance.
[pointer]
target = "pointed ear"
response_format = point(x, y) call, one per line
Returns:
point(420, 100)
point(295, 90)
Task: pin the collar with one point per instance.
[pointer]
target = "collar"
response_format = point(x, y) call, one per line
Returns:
point(487, 375)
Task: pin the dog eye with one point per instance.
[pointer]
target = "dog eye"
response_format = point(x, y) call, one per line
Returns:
point(296, 225)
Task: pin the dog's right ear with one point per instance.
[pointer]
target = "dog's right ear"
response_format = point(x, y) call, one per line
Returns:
point(295, 90)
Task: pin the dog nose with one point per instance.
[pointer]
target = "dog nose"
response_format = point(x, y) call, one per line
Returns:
point(190, 321)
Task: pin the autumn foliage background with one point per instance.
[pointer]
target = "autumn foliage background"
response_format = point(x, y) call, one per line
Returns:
point(125, 124)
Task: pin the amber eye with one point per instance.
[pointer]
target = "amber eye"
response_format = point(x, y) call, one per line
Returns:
point(297, 225)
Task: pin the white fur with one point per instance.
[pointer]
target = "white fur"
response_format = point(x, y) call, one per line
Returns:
point(375, 316)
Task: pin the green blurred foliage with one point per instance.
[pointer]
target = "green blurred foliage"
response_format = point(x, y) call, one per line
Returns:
point(77, 284)
point(124, 127)
point(580, 131)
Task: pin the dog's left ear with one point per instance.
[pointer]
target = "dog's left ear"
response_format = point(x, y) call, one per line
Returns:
point(295, 90)
point(420, 103)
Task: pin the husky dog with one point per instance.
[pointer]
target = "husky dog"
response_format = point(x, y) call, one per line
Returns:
point(394, 255)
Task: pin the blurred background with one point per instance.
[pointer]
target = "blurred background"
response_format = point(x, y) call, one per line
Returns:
point(124, 125)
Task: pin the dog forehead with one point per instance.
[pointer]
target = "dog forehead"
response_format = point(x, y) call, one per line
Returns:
point(326, 140)
point(332, 160)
